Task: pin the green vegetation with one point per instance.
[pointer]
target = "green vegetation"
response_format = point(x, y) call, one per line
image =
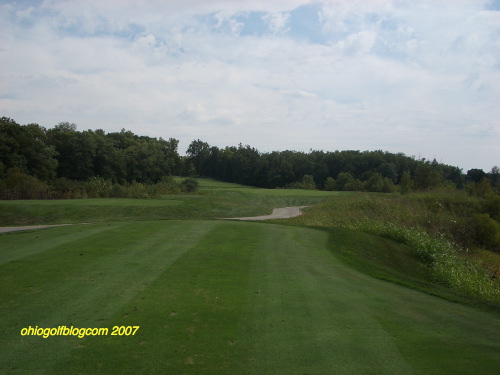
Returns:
point(222, 297)
point(445, 231)
point(214, 200)
point(440, 230)
point(18, 185)
point(61, 162)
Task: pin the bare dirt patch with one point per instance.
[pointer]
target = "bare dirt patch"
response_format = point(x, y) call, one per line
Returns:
point(278, 213)
point(29, 227)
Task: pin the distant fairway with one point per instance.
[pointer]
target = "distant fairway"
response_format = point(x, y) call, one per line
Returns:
point(216, 200)
point(224, 297)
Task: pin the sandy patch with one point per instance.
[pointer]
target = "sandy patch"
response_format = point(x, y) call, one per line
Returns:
point(278, 213)
point(29, 227)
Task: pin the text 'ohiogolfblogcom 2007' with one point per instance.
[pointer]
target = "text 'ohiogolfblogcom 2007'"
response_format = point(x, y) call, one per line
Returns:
point(78, 331)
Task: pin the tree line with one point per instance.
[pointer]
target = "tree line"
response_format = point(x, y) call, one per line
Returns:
point(375, 171)
point(62, 162)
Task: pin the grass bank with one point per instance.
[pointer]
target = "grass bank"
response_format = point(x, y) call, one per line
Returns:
point(432, 226)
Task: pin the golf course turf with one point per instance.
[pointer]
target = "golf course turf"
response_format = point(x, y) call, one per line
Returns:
point(224, 297)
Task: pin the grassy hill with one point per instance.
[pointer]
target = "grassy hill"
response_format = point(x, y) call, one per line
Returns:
point(216, 200)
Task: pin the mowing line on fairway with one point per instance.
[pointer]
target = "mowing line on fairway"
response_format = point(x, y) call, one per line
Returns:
point(83, 283)
point(189, 315)
point(228, 297)
point(306, 315)
point(311, 313)
point(18, 245)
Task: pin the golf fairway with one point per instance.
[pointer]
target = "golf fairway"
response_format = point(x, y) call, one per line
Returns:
point(222, 297)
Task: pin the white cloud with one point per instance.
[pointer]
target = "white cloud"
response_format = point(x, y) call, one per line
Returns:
point(277, 22)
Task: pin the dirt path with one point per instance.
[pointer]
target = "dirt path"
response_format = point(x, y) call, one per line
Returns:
point(29, 227)
point(278, 213)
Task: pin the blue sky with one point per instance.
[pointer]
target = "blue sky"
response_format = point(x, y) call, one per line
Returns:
point(420, 77)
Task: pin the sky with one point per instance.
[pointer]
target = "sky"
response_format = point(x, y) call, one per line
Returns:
point(421, 77)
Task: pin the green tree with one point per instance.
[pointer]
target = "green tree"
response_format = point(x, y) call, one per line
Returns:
point(307, 182)
point(107, 163)
point(406, 183)
point(426, 177)
point(491, 205)
point(171, 154)
point(375, 183)
point(27, 148)
point(494, 177)
point(280, 171)
point(484, 188)
point(475, 175)
point(76, 151)
point(343, 179)
point(197, 152)
point(387, 185)
point(388, 170)
point(354, 185)
point(330, 184)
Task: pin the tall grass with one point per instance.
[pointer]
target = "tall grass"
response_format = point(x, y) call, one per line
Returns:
point(433, 226)
point(447, 261)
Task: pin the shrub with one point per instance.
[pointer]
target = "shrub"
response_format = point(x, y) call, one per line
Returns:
point(330, 184)
point(19, 185)
point(189, 185)
point(487, 231)
point(64, 188)
point(374, 183)
point(98, 187)
point(343, 179)
point(491, 205)
point(138, 190)
point(484, 188)
point(388, 186)
point(406, 184)
point(118, 191)
point(307, 183)
point(354, 185)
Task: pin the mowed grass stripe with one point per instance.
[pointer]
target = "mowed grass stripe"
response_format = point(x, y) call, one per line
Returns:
point(223, 297)
point(437, 336)
point(21, 244)
point(189, 316)
point(308, 314)
point(83, 283)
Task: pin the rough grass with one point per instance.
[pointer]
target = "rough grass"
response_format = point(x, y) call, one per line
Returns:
point(223, 297)
point(429, 224)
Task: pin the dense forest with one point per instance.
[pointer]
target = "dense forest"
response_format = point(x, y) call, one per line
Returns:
point(63, 162)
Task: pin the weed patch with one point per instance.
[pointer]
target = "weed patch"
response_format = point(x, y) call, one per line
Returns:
point(425, 224)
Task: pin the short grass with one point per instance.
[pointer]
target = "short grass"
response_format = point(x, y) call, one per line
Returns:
point(215, 200)
point(223, 297)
